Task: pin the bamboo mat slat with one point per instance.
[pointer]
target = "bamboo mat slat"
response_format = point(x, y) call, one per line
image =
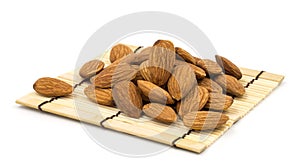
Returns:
point(258, 86)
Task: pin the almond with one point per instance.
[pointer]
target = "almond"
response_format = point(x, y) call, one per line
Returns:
point(200, 73)
point(114, 73)
point(211, 67)
point(204, 120)
point(186, 56)
point(92, 79)
point(91, 68)
point(199, 62)
point(165, 44)
point(210, 85)
point(183, 79)
point(160, 112)
point(52, 87)
point(218, 101)
point(119, 51)
point(138, 58)
point(179, 62)
point(154, 92)
point(161, 62)
point(230, 85)
point(194, 101)
point(127, 98)
point(138, 75)
point(98, 95)
point(229, 67)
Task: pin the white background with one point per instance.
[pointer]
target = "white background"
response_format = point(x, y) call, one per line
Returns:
point(44, 39)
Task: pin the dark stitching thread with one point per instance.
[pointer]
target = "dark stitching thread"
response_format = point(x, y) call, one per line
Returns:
point(111, 117)
point(81, 82)
point(137, 49)
point(45, 102)
point(182, 137)
point(256, 78)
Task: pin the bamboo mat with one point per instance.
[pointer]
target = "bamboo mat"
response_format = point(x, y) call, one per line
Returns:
point(258, 84)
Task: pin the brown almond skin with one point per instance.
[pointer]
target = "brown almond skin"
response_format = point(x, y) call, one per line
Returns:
point(119, 51)
point(154, 92)
point(199, 62)
point(114, 73)
point(52, 87)
point(231, 85)
point(138, 75)
point(162, 113)
point(161, 62)
point(91, 68)
point(186, 56)
point(229, 67)
point(138, 58)
point(98, 95)
point(183, 79)
point(127, 98)
point(218, 101)
point(165, 44)
point(179, 62)
point(210, 85)
point(194, 101)
point(204, 120)
point(211, 67)
point(200, 73)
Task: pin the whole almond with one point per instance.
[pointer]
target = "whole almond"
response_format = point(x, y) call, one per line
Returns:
point(211, 67)
point(230, 85)
point(210, 85)
point(183, 79)
point(200, 73)
point(98, 95)
point(154, 92)
point(119, 51)
point(91, 68)
point(161, 62)
point(199, 62)
point(114, 73)
point(52, 87)
point(229, 67)
point(165, 44)
point(127, 98)
point(218, 101)
point(204, 120)
point(194, 101)
point(138, 58)
point(186, 56)
point(160, 112)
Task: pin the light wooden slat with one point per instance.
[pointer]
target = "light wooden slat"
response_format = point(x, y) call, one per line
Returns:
point(249, 72)
point(139, 131)
point(190, 145)
point(272, 77)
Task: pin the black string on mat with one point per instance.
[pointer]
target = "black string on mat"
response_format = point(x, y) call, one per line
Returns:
point(256, 78)
point(181, 137)
point(81, 82)
point(108, 118)
point(48, 101)
point(137, 49)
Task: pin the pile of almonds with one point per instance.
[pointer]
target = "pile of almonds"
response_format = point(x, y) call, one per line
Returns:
point(162, 82)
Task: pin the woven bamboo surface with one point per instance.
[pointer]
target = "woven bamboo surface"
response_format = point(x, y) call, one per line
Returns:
point(258, 84)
